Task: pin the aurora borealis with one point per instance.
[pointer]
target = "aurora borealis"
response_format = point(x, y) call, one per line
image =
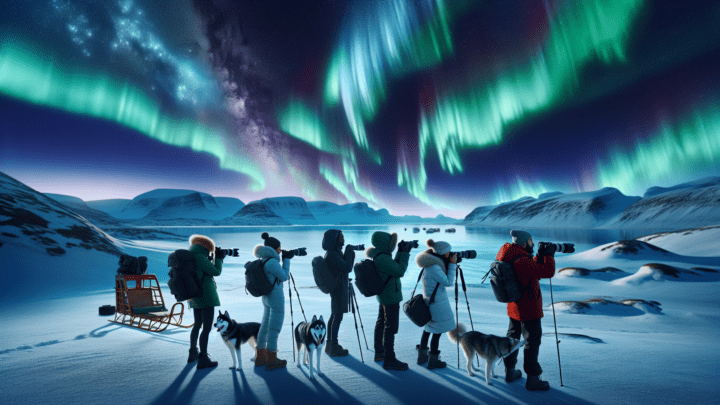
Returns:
point(422, 107)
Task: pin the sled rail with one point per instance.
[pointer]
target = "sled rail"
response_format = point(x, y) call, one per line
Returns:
point(139, 303)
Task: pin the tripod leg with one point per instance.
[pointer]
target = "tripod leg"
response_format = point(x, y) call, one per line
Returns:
point(457, 320)
point(464, 287)
point(357, 333)
point(292, 323)
point(557, 342)
point(298, 296)
point(354, 300)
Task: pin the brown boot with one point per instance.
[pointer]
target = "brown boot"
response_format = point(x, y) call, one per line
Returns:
point(261, 357)
point(273, 362)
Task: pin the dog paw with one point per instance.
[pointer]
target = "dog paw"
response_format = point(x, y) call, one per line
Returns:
point(471, 374)
point(321, 374)
point(490, 383)
point(312, 377)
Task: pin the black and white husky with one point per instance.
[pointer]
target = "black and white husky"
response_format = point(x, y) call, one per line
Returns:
point(311, 337)
point(235, 335)
point(490, 347)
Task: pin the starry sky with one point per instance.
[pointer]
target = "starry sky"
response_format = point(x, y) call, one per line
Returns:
point(421, 107)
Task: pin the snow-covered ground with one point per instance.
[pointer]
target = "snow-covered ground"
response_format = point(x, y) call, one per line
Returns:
point(661, 348)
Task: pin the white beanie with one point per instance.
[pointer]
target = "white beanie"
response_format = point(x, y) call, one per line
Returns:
point(439, 248)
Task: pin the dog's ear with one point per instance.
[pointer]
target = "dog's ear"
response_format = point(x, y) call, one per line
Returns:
point(314, 319)
point(321, 319)
point(226, 314)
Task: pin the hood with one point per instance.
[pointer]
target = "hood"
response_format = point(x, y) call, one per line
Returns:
point(383, 241)
point(329, 241)
point(264, 252)
point(427, 259)
point(203, 241)
point(510, 251)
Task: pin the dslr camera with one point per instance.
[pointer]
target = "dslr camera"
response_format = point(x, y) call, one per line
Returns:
point(551, 248)
point(465, 254)
point(220, 252)
point(356, 247)
point(299, 251)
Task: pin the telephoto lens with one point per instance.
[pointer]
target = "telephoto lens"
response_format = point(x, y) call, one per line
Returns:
point(465, 254)
point(233, 252)
point(300, 251)
point(414, 244)
point(565, 247)
point(357, 247)
point(552, 248)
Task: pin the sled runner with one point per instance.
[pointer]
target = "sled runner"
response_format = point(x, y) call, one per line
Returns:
point(140, 304)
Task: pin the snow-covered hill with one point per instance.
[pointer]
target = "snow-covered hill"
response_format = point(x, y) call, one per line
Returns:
point(578, 210)
point(146, 203)
point(358, 213)
point(111, 207)
point(294, 210)
point(686, 241)
point(95, 216)
point(254, 213)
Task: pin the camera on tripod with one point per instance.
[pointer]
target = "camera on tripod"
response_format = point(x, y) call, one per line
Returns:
point(465, 254)
point(552, 248)
point(299, 251)
point(356, 247)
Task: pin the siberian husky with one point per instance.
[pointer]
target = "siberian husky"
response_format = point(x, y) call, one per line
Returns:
point(311, 337)
point(490, 347)
point(235, 335)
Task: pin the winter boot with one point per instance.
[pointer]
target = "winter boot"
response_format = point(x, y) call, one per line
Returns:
point(193, 355)
point(534, 383)
point(422, 355)
point(328, 347)
point(260, 357)
point(379, 356)
point(392, 363)
point(205, 362)
point(336, 350)
point(512, 374)
point(434, 361)
point(273, 362)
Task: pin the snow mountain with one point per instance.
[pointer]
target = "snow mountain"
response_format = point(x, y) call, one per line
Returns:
point(294, 210)
point(357, 213)
point(95, 216)
point(254, 213)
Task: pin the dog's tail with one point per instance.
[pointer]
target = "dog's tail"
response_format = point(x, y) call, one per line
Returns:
point(457, 333)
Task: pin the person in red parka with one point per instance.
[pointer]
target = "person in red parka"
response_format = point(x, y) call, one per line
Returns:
point(525, 313)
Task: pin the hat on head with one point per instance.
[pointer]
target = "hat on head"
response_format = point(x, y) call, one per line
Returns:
point(272, 242)
point(439, 248)
point(520, 237)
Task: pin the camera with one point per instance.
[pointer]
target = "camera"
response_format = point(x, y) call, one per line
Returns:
point(414, 244)
point(551, 248)
point(299, 251)
point(356, 247)
point(465, 254)
point(233, 252)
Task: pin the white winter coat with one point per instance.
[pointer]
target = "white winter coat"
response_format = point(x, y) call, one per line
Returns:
point(443, 319)
point(273, 271)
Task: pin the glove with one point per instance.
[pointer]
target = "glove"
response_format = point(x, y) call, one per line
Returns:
point(402, 246)
point(286, 254)
point(219, 253)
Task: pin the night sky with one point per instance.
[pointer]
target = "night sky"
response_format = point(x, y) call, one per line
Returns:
point(421, 107)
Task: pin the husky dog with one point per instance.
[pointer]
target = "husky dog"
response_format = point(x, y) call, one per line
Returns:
point(311, 337)
point(490, 347)
point(235, 335)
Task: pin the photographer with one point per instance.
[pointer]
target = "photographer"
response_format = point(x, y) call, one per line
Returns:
point(204, 306)
point(439, 272)
point(388, 317)
point(525, 314)
point(340, 265)
point(273, 303)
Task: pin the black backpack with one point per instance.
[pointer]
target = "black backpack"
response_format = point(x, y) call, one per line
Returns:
point(505, 282)
point(324, 277)
point(184, 282)
point(132, 265)
point(256, 282)
point(368, 279)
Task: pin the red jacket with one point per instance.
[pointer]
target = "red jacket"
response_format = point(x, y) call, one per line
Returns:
point(529, 270)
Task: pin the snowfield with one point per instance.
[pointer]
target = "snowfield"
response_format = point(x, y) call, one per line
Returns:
point(627, 340)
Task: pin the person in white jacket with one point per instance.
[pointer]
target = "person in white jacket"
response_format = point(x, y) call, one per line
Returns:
point(273, 303)
point(439, 272)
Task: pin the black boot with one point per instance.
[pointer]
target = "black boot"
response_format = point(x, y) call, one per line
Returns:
point(534, 383)
point(512, 374)
point(434, 361)
point(422, 355)
point(392, 363)
point(193, 356)
point(205, 362)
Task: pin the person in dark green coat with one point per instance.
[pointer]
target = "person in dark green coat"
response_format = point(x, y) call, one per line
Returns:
point(388, 319)
point(204, 306)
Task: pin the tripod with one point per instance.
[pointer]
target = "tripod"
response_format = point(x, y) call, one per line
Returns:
point(459, 272)
point(353, 307)
point(292, 322)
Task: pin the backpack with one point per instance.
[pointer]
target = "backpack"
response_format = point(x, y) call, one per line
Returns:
point(256, 282)
point(505, 282)
point(368, 279)
point(132, 265)
point(184, 282)
point(324, 278)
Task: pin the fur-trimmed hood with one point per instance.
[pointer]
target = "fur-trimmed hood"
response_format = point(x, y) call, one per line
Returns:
point(203, 241)
point(264, 252)
point(427, 259)
point(382, 242)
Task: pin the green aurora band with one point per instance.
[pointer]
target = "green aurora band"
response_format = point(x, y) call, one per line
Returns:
point(693, 143)
point(30, 77)
point(580, 33)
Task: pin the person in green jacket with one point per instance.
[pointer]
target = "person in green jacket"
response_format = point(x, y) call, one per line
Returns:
point(389, 314)
point(204, 306)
